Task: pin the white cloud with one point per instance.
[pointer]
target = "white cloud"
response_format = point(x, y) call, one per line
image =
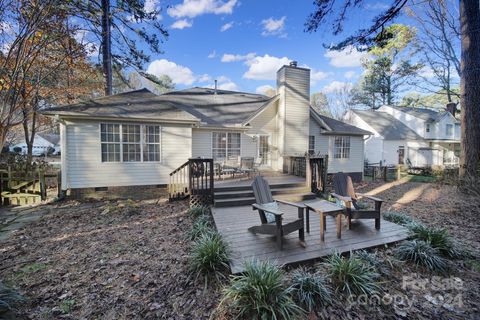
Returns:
point(319, 75)
point(152, 6)
point(346, 58)
point(264, 68)
point(204, 78)
point(273, 27)
point(212, 54)
point(194, 8)
point(227, 57)
point(232, 86)
point(264, 89)
point(350, 74)
point(337, 85)
point(181, 24)
point(179, 74)
point(226, 26)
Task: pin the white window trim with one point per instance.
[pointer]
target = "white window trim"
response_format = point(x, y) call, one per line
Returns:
point(313, 150)
point(226, 142)
point(342, 153)
point(142, 130)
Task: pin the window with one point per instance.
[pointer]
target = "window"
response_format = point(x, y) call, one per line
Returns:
point(130, 142)
point(110, 140)
point(449, 130)
point(427, 127)
point(151, 147)
point(341, 147)
point(311, 145)
point(225, 144)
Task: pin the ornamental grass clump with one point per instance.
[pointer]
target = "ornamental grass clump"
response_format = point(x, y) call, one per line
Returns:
point(372, 260)
point(209, 256)
point(198, 211)
point(260, 293)
point(201, 226)
point(351, 275)
point(438, 238)
point(422, 254)
point(9, 298)
point(397, 217)
point(310, 290)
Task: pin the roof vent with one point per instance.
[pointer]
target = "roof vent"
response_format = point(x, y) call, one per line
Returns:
point(293, 63)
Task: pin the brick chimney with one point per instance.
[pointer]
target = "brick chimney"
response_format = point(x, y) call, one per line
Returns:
point(452, 108)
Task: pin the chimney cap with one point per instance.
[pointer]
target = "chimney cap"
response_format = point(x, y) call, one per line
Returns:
point(293, 63)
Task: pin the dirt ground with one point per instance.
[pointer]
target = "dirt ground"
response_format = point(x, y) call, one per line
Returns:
point(118, 260)
point(94, 261)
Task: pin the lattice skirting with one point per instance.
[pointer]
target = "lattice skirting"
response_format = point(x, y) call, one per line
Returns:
point(200, 200)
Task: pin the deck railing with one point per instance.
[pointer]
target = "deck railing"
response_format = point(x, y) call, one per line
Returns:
point(193, 179)
point(313, 168)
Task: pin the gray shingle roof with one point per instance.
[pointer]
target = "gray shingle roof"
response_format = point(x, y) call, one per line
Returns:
point(139, 104)
point(339, 127)
point(422, 113)
point(387, 126)
point(224, 108)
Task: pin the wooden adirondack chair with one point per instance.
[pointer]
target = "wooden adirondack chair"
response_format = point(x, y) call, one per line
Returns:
point(279, 227)
point(345, 192)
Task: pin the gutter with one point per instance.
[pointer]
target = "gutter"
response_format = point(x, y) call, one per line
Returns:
point(127, 119)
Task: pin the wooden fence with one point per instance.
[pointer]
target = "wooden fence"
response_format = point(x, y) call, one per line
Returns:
point(313, 169)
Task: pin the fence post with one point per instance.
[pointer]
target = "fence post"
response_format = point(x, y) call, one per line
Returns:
point(325, 173)
point(385, 173)
point(399, 174)
point(308, 172)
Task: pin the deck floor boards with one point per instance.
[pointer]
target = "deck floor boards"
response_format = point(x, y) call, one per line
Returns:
point(233, 222)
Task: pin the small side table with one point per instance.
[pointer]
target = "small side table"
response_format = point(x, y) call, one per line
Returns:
point(325, 208)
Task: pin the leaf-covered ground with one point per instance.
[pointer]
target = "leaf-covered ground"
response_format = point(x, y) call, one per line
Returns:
point(129, 260)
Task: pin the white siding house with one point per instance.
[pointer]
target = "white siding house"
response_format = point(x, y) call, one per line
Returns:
point(425, 137)
point(138, 138)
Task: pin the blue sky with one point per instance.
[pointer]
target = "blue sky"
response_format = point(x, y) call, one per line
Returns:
point(243, 43)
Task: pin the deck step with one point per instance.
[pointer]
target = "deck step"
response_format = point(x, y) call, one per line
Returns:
point(249, 187)
point(249, 193)
point(244, 201)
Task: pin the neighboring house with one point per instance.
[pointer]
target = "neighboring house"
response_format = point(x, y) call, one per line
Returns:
point(41, 144)
point(424, 136)
point(138, 138)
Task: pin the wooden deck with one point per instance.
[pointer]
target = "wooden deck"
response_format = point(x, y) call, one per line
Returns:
point(233, 222)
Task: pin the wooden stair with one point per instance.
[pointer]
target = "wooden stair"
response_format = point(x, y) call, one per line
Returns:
point(233, 196)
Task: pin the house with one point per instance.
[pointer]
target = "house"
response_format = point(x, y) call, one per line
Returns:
point(42, 144)
point(138, 138)
point(426, 137)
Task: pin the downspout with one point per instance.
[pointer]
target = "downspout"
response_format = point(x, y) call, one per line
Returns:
point(63, 159)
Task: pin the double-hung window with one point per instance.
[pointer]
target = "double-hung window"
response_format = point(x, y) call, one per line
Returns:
point(311, 145)
point(110, 140)
point(225, 145)
point(449, 130)
point(341, 148)
point(130, 142)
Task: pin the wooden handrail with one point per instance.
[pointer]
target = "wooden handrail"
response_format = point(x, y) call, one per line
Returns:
point(194, 179)
point(179, 168)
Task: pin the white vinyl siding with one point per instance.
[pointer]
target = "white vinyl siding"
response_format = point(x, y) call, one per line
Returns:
point(85, 169)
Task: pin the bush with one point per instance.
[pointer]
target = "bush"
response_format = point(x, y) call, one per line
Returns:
point(310, 290)
point(201, 226)
point(437, 238)
point(9, 298)
point(209, 256)
point(397, 217)
point(422, 254)
point(196, 212)
point(372, 260)
point(260, 293)
point(351, 275)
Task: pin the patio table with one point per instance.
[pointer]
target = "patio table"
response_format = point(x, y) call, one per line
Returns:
point(325, 208)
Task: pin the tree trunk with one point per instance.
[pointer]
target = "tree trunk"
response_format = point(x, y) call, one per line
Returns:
point(469, 93)
point(106, 47)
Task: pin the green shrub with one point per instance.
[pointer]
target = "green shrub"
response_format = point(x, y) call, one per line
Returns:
point(209, 256)
point(202, 225)
point(437, 238)
point(196, 212)
point(9, 298)
point(372, 260)
point(397, 217)
point(422, 254)
point(351, 275)
point(310, 289)
point(260, 293)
